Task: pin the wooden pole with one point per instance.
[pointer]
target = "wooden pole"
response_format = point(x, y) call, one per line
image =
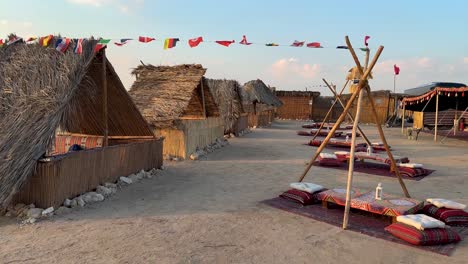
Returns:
point(437, 116)
point(455, 123)
point(331, 108)
point(104, 99)
point(203, 97)
point(362, 83)
point(349, 185)
point(349, 115)
point(403, 120)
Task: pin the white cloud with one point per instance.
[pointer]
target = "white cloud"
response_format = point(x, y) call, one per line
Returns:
point(125, 6)
point(3, 22)
point(292, 68)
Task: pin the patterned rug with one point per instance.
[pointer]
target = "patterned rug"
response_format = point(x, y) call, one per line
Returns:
point(374, 168)
point(358, 222)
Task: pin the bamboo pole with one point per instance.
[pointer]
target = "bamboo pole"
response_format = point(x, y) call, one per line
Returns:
point(104, 100)
point(350, 115)
point(455, 124)
point(403, 120)
point(349, 185)
point(331, 108)
point(437, 116)
point(203, 97)
point(361, 84)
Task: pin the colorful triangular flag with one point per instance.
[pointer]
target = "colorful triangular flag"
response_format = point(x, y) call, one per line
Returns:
point(298, 43)
point(364, 49)
point(101, 44)
point(44, 41)
point(122, 42)
point(13, 40)
point(31, 39)
point(225, 43)
point(366, 38)
point(271, 45)
point(79, 46)
point(169, 43)
point(62, 44)
point(244, 41)
point(195, 42)
point(314, 45)
point(145, 39)
point(396, 69)
point(342, 47)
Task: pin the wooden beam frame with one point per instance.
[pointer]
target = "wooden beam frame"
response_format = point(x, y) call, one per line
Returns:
point(203, 97)
point(104, 100)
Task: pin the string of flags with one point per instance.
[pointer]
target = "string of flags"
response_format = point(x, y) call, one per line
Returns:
point(63, 44)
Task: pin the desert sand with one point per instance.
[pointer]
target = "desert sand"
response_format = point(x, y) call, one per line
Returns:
point(209, 211)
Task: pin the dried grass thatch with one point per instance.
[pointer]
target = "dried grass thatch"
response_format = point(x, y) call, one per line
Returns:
point(42, 90)
point(166, 93)
point(226, 93)
point(257, 92)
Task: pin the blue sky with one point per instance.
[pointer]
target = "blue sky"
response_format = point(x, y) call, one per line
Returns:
point(427, 39)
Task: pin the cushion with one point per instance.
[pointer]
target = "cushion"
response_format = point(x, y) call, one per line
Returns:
point(454, 217)
point(433, 236)
point(446, 203)
point(303, 133)
point(306, 187)
point(410, 165)
point(298, 196)
point(420, 221)
point(327, 156)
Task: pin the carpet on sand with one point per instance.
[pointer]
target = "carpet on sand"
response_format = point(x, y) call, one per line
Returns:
point(359, 221)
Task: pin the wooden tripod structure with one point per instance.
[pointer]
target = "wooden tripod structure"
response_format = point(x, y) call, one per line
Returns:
point(362, 85)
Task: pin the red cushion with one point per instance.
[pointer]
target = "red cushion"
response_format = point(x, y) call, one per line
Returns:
point(431, 236)
point(329, 162)
point(303, 133)
point(455, 217)
point(301, 197)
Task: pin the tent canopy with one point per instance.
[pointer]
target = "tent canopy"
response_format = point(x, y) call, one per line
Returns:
point(449, 98)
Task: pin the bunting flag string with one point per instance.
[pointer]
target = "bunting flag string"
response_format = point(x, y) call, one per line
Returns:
point(168, 43)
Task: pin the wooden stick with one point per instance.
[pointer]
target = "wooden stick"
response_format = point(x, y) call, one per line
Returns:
point(403, 120)
point(104, 100)
point(394, 167)
point(331, 108)
point(437, 116)
point(362, 82)
point(349, 115)
point(349, 185)
point(203, 97)
point(351, 161)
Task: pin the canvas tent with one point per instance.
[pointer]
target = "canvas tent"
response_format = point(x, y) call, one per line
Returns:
point(433, 98)
point(49, 99)
point(178, 105)
point(227, 96)
point(260, 102)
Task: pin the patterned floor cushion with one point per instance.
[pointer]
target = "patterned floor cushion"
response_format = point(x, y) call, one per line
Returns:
point(63, 143)
point(303, 133)
point(433, 236)
point(306, 187)
point(453, 217)
point(298, 196)
point(420, 221)
point(326, 159)
point(446, 203)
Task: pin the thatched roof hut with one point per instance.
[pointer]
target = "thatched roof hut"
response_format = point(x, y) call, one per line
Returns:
point(166, 93)
point(179, 106)
point(43, 91)
point(227, 95)
point(256, 91)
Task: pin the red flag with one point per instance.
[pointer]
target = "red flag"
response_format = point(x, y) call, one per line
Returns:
point(225, 43)
point(298, 43)
point(145, 39)
point(244, 41)
point(1, 42)
point(366, 38)
point(194, 42)
point(396, 69)
point(314, 45)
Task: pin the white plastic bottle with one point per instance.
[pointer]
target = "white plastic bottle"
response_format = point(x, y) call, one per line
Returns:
point(379, 192)
point(369, 150)
point(347, 138)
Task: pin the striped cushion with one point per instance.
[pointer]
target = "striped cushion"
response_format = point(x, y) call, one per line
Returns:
point(64, 142)
point(433, 236)
point(298, 196)
point(455, 217)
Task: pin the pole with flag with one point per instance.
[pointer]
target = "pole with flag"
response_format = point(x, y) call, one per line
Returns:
point(396, 69)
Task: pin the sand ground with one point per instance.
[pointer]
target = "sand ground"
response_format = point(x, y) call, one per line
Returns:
point(208, 211)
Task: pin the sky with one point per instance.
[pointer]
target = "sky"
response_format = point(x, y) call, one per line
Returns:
point(428, 40)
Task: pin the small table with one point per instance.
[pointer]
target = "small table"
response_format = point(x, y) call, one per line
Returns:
point(390, 206)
